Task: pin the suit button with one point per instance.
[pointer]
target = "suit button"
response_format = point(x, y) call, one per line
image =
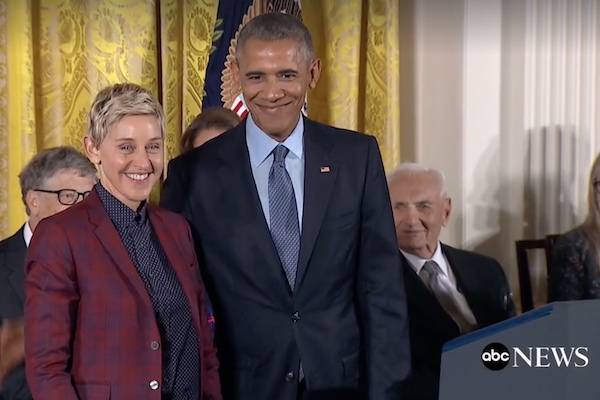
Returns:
point(296, 317)
point(153, 385)
point(154, 345)
point(289, 376)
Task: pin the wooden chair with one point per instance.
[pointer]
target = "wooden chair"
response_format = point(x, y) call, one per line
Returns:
point(550, 242)
point(522, 247)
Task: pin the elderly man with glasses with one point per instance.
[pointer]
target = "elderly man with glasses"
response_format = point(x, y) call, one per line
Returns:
point(51, 182)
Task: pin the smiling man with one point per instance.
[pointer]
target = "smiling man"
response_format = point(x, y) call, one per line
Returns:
point(449, 291)
point(295, 236)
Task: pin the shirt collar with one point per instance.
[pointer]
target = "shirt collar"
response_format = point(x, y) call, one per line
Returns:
point(27, 233)
point(260, 145)
point(418, 262)
point(119, 213)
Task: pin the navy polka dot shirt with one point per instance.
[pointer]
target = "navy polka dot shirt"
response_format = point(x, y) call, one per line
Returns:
point(179, 341)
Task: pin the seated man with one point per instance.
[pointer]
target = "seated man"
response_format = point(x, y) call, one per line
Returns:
point(52, 181)
point(449, 291)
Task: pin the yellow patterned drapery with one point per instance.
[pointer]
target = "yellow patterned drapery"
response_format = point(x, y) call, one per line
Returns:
point(56, 54)
point(359, 89)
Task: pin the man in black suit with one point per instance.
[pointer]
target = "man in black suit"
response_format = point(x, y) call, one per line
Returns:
point(52, 181)
point(449, 291)
point(295, 237)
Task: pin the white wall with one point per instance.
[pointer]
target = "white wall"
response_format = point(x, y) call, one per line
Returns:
point(502, 95)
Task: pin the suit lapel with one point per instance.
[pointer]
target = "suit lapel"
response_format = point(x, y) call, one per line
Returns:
point(318, 185)
point(15, 260)
point(419, 297)
point(466, 281)
point(112, 243)
point(178, 262)
point(17, 276)
point(241, 202)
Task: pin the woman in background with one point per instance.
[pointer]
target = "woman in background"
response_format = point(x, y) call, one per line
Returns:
point(208, 125)
point(575, 267)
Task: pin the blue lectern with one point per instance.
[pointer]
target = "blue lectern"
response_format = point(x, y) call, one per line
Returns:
point(550, 353)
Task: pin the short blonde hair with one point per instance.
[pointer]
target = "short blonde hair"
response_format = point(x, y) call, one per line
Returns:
point(115, 102)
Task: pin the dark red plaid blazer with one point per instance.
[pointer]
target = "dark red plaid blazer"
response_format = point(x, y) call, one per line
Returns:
point(89, 324)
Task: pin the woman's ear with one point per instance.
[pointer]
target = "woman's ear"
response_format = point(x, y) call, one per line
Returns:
point(91, 150)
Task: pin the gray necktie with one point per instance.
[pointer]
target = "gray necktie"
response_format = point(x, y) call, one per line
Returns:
point(283, 215)
point(443, 291)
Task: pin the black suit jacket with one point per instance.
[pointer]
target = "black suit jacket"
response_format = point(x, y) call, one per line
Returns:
point(346, 319)
point(483, 283)
point(12, 300)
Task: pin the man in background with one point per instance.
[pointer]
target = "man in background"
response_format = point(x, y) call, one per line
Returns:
point(52, 181)
point(449, 291)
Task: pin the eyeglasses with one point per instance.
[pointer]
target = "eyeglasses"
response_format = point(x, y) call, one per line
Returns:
point(66, 197)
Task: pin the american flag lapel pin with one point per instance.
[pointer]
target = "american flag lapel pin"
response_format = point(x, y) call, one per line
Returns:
point(325, 169)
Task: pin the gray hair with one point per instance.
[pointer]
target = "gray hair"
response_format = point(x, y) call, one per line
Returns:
point(47, 163)
point(404, 169)
point(115, 102)
point(274, 26)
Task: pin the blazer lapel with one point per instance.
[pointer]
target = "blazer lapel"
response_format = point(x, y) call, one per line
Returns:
point(240, 198)
point(15, 259)
point(110, 239)
point(17, 276)
point(319, 178)
point(464, 279)
point(177, 259)
point(422, 299)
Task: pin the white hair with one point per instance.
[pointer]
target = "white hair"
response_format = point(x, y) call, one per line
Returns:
point(407, 168)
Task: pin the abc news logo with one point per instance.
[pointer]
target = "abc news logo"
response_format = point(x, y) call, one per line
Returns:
point(496, 356)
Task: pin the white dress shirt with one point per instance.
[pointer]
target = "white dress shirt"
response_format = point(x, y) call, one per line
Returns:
point(260, 148)
point(417, 264)
point(27, 233)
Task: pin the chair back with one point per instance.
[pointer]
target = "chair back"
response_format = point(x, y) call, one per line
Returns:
point(522, 247)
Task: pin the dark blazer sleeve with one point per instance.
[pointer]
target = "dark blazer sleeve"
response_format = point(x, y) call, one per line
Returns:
point(50, 313)
point(10, 304)
point(567, 278)
point(381, 287)
point(173, 193)
point(507, 295)
point(15, 385)
point(211, 384)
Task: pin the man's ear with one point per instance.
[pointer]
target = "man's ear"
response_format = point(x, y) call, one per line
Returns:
point(33, 203)
point(315, 73)
point(447, 211)
point(91, 150)
point(235, 73)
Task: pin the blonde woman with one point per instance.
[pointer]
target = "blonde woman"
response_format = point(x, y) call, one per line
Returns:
point(575, 269)
point(114, 302)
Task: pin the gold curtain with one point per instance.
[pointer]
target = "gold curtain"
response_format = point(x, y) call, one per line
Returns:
point(359, 89)
point(55, 55)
